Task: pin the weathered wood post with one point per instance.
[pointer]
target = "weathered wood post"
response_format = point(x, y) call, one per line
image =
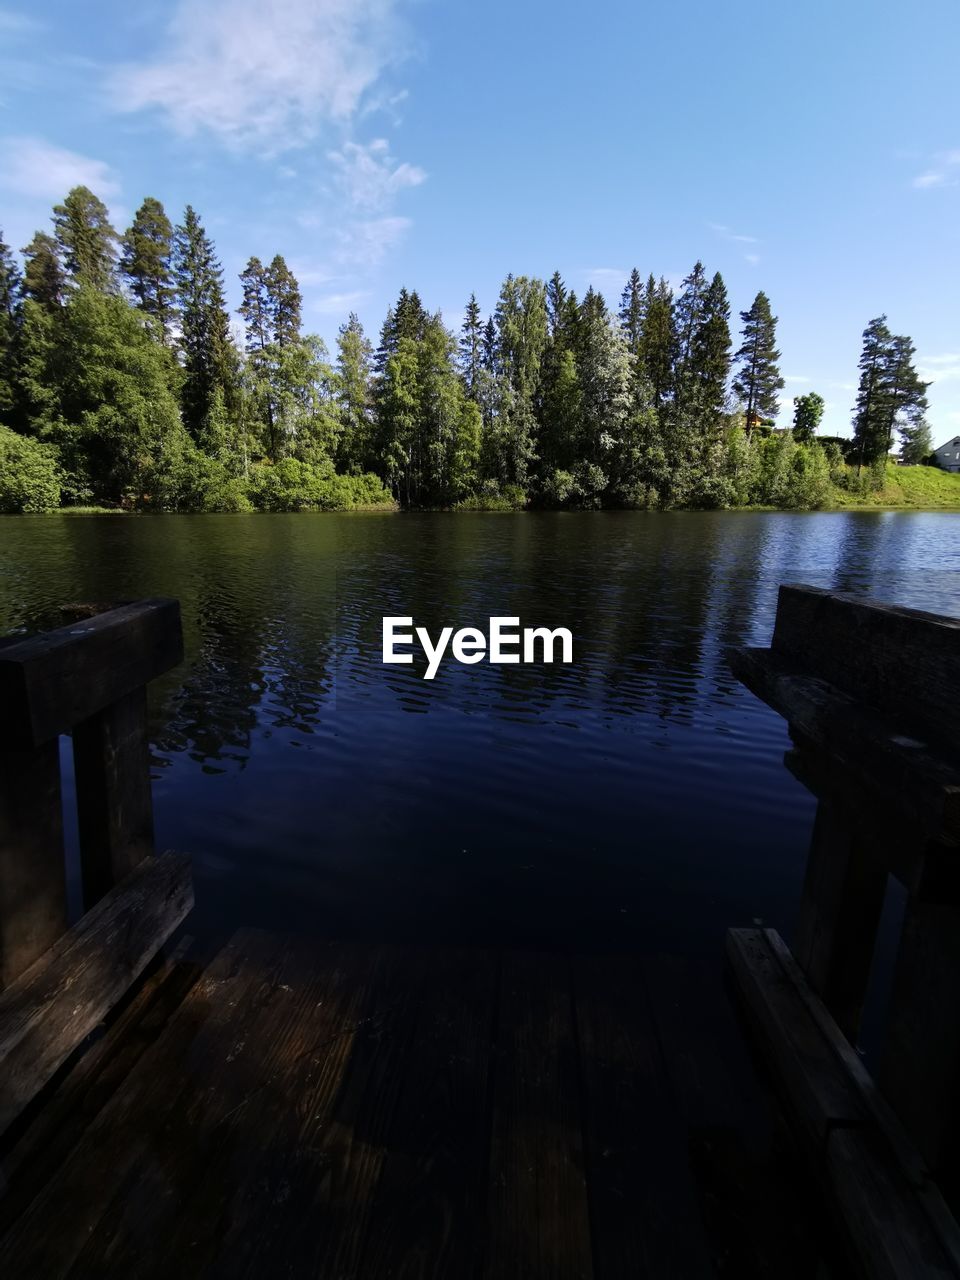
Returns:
point(872, 696)
point(88, 678)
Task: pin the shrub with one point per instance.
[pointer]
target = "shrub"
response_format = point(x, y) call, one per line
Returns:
point(29, 474)
point(291, 485)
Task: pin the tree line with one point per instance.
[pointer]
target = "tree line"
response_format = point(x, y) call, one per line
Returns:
point(123, 384)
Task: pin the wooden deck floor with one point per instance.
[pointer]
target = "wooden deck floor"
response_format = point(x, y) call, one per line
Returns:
point(332, 1110)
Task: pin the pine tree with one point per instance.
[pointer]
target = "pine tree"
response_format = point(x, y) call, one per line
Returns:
point(709, 360)
point(471, 348)
point(43, 278)
point(559, 397)
point(688, 321)
point(281, 370)
point(104, 399)
point(632, 312)
point(871, 431)
point(410, 316)
point(807, 413)
point(404, 320)
point(556, 303)
point(354, 363)
point(521, 323)
point(907, 394)
point(205, 326)
point(890, 396)
point(490, 345)
point(147, 248)
point(657, 339)
point(86, 240)
point(603, 368)
point(256, 309)
point(758, 380)
point(286, 303)
point(10, 282)
point(917, 442)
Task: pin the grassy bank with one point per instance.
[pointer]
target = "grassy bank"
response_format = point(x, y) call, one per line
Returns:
point(917, 487)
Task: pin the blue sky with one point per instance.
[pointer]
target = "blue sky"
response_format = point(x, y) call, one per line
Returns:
point(809, 150)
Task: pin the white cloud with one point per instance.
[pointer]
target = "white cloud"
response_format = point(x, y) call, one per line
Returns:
point(610, 274)
point(12, 23)
point(944, 368)
point(606, 280)
point(266, 76)
point(951, 357)
point(726, 234)
point(366, 243)
point(794, 378)
point(32, 167)
point(339, 303)
point(944, 171)
point(752, 258)
point(369, 176)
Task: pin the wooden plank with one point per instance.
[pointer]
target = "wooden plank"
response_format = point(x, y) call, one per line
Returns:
point(50, 1133)
point(111, 755)
point(904, 661)
point(309, 1168)
point(756, 1219)
point(920, 1068)
point(843, 893)
point(200, 1051)
point(822, 1099)
point(428, 1217)
point(911, 1165)
point(538, 1213)
point(902, 773)
point(893, 1240)
point(33, 885)
point(644, 1203)
point(60, 999)
point(51, 682)
point(248, 1168)
point(890, 1206)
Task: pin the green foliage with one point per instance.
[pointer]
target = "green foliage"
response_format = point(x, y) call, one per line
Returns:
point(657, 349)
point(916, 442)
point(807, 414)
point(492, 499)
point(890, 396)
point(292, 485)
point(29, 475)
point(146, 264)
point(100, 389)
point(86, 241)
point(149, 404)
point(758, 380)
point(205, 329)
point(355, 448)
point(44, 281)
point(10, 282)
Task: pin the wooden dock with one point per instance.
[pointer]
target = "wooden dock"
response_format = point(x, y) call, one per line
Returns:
point(297, 1107)
point(301, 1109)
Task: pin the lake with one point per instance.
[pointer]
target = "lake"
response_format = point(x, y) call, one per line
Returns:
point(635, 799)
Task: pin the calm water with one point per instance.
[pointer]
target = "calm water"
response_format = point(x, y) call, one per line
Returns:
point(635, 799)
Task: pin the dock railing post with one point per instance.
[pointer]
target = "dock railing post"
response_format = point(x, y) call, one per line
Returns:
point(871, 693)
point(89, 679)
point(33, 883)
point(843, 892)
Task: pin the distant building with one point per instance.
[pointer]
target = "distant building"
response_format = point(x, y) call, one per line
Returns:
point(948, 455)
